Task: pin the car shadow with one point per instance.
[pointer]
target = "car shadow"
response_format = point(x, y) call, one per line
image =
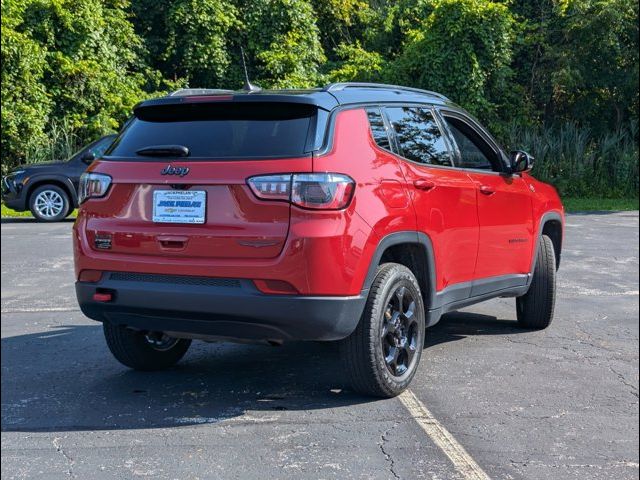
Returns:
point(65, 379)
point(455, 326)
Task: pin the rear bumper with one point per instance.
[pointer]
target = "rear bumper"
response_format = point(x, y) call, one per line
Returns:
point(223, 308)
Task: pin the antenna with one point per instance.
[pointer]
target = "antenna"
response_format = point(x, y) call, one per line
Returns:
point(248, 86)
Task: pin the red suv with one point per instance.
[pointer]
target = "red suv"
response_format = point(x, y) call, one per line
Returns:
point(355, 212)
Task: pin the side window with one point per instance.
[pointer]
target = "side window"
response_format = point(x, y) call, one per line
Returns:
point(475, 152)
point(99, 149)
point(418, 135)
point(378, 128)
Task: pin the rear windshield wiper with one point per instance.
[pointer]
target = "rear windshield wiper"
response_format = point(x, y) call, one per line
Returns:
point(164, 151)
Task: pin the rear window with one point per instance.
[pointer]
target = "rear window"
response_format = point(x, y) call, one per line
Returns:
point(221, 131)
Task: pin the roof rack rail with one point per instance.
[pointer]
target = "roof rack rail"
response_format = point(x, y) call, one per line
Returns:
point(185, 92)
point(332, 87)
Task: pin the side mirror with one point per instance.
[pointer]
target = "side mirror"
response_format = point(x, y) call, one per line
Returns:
point(521, 161)
point(88, 158)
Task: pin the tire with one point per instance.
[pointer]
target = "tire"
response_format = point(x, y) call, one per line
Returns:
point(535, 308)
point(368, 353)
point(49, 203)
point(134, 350)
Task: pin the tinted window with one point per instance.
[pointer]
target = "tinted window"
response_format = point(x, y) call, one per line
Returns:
point(378, 128)
point(220, 130)
point(475, 152)
point(418, 135)
point(99, 148)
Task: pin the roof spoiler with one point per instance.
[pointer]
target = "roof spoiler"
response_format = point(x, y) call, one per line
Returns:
point(187, 92)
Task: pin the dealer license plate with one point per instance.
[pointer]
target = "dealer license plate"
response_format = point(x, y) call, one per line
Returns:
point(179, 206)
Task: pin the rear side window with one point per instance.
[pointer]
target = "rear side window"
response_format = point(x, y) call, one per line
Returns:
point(378, 128)
point(99, 148)
point(221, 131)
point(418, 135)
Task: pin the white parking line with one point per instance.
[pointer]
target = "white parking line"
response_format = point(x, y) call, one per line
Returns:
point(462, 461)
point(42, 310)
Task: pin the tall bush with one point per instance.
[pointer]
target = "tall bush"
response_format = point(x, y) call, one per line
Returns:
point(462, 49)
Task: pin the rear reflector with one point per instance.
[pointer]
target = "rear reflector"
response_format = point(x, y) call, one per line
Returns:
point(90, 276)
point(102, 297)
point(277, 287)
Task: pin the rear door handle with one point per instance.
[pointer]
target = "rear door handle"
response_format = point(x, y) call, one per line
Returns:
point(423, 184)
point(487, 190)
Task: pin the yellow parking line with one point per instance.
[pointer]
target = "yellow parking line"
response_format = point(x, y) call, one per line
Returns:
point(462, 461)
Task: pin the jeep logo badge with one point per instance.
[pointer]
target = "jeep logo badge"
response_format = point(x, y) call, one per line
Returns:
point(169, 170)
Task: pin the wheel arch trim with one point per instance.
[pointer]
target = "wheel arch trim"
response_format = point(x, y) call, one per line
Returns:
point(57, 180)
point(547, 217)
point(406, 237)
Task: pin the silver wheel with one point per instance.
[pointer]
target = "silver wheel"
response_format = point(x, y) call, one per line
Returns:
point(49, 204)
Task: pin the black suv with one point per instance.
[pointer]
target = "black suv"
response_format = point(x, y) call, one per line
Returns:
point(49, 190)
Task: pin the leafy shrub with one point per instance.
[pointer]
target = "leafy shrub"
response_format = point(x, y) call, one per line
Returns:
point(579, 163)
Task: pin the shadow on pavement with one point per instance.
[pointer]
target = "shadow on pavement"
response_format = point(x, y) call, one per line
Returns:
point(65, 379)
point(458, 325)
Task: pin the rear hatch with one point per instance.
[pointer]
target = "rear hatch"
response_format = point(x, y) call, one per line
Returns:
point(179, 175)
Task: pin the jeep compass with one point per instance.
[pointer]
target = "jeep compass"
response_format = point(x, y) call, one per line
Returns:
point(357, 213)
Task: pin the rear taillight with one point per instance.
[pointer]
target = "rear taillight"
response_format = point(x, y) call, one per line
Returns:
point(93, 185)
point(319, 191)
point(330, 191)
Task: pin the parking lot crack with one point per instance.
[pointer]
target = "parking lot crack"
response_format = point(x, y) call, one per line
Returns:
point(70, 461)
point(384, 438)
point(621, 377)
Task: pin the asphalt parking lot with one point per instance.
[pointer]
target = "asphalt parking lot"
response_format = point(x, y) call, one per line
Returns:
point(561, 403)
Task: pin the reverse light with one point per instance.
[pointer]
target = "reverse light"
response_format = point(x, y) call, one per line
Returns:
point(93, 185)
point(318, 191)
point(271, 187)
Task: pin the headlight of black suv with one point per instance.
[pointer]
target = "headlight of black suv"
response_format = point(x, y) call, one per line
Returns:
point(13, 181)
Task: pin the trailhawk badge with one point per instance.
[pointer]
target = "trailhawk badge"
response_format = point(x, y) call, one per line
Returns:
point(169, 170)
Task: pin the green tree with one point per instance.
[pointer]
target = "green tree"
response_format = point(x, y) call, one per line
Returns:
point(355, 64)
point(77, 63)
point(462, 49)
point(197, 46)
point(597, 58)
point(25, 103)
point(283, 40)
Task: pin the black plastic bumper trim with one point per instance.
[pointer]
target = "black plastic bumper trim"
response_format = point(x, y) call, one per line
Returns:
point(221, 311)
